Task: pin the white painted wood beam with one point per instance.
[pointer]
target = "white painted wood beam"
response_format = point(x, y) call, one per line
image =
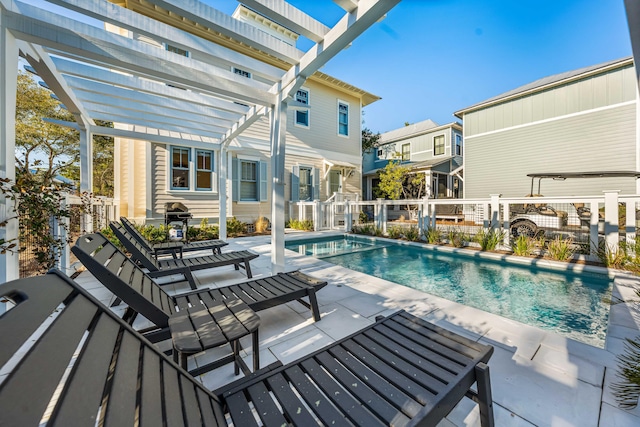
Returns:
point(340, 36)
point(76, 38)
point(42, 64)
point(101, 75)
point(151, 135)
point(209, 17)
point(243, 124)
point(290, 17)
point(348, 5)
point(208, 51)
point(125, 115)
point(160, 109)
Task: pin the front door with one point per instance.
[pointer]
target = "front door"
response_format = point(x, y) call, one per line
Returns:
point(335, 182)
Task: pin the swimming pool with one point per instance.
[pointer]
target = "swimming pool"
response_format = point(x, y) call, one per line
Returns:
point(561, 301)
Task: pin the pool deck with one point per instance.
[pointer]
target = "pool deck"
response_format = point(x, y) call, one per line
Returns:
point(538, 378)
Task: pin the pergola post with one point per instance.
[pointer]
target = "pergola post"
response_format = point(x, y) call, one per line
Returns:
point(222, 194)
point(278, 118)
point(86, 174)
point(9, 267)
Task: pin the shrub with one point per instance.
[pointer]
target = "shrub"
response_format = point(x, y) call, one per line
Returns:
point(523, 245)
point(560, 249)
point(456, 237)
point(627, 391)
point(235, 227)
point(612, 258)
point(489, 239)
point(394, 232)
point(377, 231)
point(363, 217)
point(412, 233)
point(304, 224)
point(433, 235)
point(154, 234)
point(109, 234)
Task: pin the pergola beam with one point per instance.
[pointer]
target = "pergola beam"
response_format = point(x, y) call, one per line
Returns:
point(112, 50)
point(290, 17)
point(348, 5)
point(140, 24)
point(210, 18)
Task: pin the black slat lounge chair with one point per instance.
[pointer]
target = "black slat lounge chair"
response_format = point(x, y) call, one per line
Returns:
point(72, 362)
point(239, 259)
point(128, 282)
point(171, 248)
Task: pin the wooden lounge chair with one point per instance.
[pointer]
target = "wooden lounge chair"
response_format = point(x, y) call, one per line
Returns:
point(239, 259)
point(171, 248)
point(88, 367)
point(128, 282)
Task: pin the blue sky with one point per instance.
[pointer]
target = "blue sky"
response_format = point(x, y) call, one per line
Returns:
point(429, 58)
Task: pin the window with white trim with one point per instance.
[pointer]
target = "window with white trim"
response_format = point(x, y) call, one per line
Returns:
point(302, 116)
point(180, 168)
point(248, 180)
point(187, 174)
point(204, 170)
point(438, 145)
point(458, 144)
point(241, 72)
point(343, 119)
point(305, 184)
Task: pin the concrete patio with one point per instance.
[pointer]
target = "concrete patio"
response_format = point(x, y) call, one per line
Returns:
point(538, 378)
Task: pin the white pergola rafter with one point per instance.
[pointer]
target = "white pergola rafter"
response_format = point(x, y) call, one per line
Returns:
point(168, 98)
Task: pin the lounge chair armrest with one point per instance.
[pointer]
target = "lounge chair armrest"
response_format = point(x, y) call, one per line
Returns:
point(241, 383)
point(196, 291)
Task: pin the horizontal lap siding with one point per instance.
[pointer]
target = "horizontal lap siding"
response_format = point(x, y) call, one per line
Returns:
point(602, 140)
point(203, 205)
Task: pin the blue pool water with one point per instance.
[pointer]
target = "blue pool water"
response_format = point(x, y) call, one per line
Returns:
point(567, 303)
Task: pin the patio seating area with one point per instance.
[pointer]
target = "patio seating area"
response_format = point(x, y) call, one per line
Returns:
point(537, 378)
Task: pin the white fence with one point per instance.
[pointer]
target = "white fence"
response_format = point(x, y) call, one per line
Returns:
point(586, 220)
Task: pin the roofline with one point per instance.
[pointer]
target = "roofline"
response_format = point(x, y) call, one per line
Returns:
point(454, 125)
point(484, 104)
point(367, 97)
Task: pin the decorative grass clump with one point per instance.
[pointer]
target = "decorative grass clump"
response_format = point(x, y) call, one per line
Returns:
point(432, 235)
point(489, 239)
point(298, 224)
point(457, 238)
point(412, 234)
point(560, 249)
point(523, 245)
point(394, 232)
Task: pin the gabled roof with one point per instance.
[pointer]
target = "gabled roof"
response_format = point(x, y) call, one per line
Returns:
point(548, 82)
point(421, 165)
point(406, 131)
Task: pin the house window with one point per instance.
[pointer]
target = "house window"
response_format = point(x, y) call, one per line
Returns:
point(379, 152)
point(438, 145)
point(302, 116)
point(177, 50)
point(242, 73)
point(406, 152)
point(458, 145)
point(343, 119)
point(306, 184)
point(248, 180)
point(204, 170)
point(179, 168)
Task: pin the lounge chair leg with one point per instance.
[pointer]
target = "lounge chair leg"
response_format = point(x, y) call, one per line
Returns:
point(236, 356)
point(485, 401)
point(247, 268)
point(256, 350)
point(313, 302)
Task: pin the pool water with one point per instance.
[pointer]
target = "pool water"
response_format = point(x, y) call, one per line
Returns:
point(567, 303)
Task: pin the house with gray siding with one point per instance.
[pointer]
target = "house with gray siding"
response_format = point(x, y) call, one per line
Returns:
point(578, 121)
point(429, 148)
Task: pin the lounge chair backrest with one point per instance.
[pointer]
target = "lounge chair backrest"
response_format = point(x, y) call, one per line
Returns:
point(124, 278)
point(135, 233)
point(138, 252)
point(86, 366)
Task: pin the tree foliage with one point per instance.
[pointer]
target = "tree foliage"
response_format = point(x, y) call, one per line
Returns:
point(370, 140)
point(397, 181)
point(43, 146)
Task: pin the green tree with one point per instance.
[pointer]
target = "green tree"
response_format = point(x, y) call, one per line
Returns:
point(370, 140)
point(398, 181)
point(48, 148)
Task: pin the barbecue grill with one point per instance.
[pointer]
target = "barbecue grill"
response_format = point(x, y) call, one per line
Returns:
point(177, 212)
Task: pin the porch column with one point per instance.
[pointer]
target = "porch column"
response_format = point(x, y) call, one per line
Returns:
point(9, 267)
point(222, 195)
point(86, 175)
point(278, 119)
point(611, 231)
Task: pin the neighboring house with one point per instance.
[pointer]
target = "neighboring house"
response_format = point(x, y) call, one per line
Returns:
point(429, 148)
point(578, 121)
point(323, 147)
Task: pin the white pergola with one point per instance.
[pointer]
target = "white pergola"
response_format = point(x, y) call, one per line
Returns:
point(161, 96)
